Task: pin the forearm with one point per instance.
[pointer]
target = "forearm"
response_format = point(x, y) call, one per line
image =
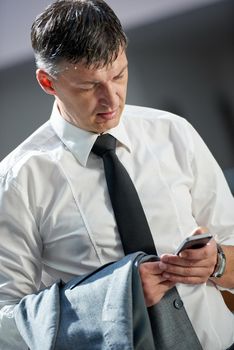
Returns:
point(227, 280)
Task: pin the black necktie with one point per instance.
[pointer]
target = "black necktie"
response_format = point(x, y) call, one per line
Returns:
point(130, 217)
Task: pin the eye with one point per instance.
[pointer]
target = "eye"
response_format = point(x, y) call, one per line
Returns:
point(119, 77)
point(87, 87)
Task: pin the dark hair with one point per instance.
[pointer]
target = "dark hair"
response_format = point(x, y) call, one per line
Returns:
point(86, 31)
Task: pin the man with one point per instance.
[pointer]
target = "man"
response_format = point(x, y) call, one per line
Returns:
point(56, 217)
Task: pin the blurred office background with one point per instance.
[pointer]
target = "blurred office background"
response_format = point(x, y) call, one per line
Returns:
point(181, 55)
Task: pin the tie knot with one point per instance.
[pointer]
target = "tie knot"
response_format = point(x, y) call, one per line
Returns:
point(103, 144)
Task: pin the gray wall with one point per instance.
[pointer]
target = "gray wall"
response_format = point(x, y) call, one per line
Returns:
point(183, 64)
point(186, 65)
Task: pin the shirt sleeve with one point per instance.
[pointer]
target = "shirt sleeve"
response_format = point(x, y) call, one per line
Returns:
point(20, 258)
point(212, 200)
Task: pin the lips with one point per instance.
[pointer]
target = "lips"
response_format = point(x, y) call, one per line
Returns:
point(107, 115)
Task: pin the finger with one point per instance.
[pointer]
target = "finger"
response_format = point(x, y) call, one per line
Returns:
point(149, 277)
point(200, 272)
point(154, 295)
point(209, 251)
point(199, 230)
point(177, 261)
point(186, 279)
point(184, 267)
point(206, 252)
point(150, 268)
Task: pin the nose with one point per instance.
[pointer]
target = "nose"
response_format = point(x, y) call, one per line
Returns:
point(108, 96)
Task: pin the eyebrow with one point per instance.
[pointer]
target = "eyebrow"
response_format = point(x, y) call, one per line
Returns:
point(97, 81)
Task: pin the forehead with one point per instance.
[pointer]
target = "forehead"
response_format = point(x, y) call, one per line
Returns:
point(80, 71)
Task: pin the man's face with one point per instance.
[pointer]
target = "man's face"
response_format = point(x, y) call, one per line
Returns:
point(92, 98)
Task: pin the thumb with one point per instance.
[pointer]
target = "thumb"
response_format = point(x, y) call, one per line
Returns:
point(199, 230)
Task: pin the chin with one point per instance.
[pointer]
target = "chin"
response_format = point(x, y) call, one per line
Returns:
point(103, 127)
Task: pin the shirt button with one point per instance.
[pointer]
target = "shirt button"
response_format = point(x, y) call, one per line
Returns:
point(178, 303)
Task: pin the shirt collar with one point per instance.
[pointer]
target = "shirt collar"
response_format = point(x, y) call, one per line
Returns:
point(79, 141)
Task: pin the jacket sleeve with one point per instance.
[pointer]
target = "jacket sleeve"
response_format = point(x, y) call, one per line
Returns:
point(37, 318)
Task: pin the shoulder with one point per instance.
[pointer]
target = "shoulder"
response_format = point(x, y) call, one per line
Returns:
point(154, 120)
point(34, 152)
point(151, 115)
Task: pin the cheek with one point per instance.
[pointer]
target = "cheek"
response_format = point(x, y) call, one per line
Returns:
point(124, 89)
point(86, 108)
point(83, 103)
point(123, 94)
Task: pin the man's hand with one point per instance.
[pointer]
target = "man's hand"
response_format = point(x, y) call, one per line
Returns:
point(153, 283)
point(192, 266)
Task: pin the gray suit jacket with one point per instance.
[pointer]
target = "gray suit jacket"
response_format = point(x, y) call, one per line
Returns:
point(104, 310)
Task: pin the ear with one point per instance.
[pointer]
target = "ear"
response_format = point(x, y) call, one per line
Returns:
point(45, 81)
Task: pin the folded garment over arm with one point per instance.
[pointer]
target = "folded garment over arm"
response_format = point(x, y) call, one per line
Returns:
point(104, 310)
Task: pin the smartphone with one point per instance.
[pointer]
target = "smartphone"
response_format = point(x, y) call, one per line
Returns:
point(194, 242)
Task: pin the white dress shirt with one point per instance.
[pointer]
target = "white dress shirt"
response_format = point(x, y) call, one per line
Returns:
point(56, 219)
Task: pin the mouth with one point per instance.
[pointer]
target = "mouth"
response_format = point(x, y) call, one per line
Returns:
point(105, 116)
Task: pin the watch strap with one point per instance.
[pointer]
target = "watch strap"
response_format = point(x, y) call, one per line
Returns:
point(221, 263)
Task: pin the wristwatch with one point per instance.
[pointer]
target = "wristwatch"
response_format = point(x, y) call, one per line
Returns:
point(221, 263)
